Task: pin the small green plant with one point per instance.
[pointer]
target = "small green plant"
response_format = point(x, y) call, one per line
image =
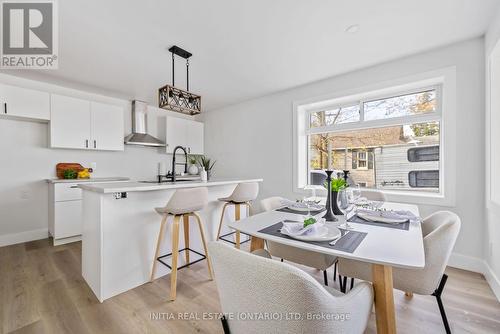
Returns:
point(337, 184)
point(309, 221)
point(192, 160)
point(206, 163)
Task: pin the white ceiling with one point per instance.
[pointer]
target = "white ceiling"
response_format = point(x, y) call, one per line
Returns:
point(244, 49)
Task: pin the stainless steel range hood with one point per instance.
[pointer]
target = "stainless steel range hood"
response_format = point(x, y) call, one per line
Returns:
point(139, 135)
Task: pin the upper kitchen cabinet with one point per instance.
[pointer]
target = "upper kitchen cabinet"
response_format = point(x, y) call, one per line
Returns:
point(24, 103)
point(69, 122)
point(186, 133)
point(195, 137)
point(82, 124)
point(107, 126)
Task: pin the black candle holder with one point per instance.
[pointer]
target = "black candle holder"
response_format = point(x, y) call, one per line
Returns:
point(329, 216)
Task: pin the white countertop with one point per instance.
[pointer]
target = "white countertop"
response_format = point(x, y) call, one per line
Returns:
point(106, 188)
point(93, 179)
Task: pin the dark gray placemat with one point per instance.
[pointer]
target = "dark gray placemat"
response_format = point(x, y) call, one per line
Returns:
point(347, 243)
point(402, 226)
point(312, 212)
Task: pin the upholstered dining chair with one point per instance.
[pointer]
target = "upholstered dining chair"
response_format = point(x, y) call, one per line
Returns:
point(440, 231)
point(255, 285)
point(297, 255)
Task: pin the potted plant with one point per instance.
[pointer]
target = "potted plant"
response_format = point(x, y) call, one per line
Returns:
point(207, 165)
point(193, 168)
point(337, 184)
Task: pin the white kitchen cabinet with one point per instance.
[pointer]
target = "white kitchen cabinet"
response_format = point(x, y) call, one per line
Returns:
point(82, 124)
point(24, 103)
point(176, 133)
point(65, 209)
point(67, 220)
point(65, 212)
point(195, 137)
point(186, 133)
point(70, 122)
point(107, 126)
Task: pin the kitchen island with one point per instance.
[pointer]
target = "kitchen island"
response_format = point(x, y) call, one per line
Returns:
point(120, 230)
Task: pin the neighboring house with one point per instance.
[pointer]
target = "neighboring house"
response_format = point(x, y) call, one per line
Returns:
point(387, 159)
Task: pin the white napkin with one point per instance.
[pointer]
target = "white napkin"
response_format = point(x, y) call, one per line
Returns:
point(389, 214)
point(297, 229)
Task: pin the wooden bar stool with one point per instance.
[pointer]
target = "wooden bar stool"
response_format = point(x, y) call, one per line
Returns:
point(184, 203)
point(243, 194)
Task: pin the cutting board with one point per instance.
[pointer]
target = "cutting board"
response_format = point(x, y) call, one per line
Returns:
point(62, 166)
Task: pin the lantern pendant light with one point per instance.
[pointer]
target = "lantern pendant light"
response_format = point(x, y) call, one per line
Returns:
point(176, 99)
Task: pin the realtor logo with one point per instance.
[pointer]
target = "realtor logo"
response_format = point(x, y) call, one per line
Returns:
point(29, 35)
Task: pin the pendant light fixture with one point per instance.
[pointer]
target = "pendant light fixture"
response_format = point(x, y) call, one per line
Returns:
point(176, 99)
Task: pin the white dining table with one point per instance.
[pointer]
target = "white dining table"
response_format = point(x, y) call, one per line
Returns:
point(383, 247)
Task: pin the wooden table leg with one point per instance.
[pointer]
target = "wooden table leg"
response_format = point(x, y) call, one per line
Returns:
point(237, 215)
point(256, 243)
point(384, 299)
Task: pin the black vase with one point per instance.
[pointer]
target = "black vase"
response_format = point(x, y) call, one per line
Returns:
point(335, 205)
point(329, 215)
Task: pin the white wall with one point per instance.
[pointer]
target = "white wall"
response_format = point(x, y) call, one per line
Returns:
point(26, 161)
point(492, 151)
point(254, 138)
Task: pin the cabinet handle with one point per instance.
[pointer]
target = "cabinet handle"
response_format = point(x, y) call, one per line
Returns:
point(5, 107)
point(95, 144)
point(86, 143)
point(73, 186)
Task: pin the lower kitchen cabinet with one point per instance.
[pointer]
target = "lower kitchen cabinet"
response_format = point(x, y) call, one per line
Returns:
point(65, 210)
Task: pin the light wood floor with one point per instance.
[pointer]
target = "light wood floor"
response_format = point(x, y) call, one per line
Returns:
point(42, 291)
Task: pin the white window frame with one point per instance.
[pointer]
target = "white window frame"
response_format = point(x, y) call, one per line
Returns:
point(444, 81)
point(358, 159)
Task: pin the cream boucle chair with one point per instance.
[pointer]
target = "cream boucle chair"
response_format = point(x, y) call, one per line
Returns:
point(297, 255)
point(254, 285)
point(440, 231)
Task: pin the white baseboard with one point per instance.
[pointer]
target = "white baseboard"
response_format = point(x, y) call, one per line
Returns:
point(479, 266)
point(466, 262)
point(492, 280)
point(16, 238)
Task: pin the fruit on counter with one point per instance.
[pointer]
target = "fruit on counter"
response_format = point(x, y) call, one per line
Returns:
point(70, 174)
point(84, 174)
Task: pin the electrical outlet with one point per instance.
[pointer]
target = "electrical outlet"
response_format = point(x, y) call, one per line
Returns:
point(120, 195)
point(490, 251)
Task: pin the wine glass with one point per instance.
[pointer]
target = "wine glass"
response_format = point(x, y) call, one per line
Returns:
point(347, 213)
point(356, 193)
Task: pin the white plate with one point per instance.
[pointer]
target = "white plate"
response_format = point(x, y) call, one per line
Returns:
point(330, 233)
point(380, 219)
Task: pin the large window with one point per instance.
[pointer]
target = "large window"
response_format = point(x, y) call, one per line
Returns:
point(389, 142)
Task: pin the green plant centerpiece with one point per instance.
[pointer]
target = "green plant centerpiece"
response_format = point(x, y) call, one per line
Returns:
point(337, 184)
point(207, 164)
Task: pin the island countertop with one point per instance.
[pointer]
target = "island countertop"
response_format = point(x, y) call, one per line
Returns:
point(106, 188)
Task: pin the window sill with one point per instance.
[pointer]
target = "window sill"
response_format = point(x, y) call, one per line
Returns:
point(436, 199)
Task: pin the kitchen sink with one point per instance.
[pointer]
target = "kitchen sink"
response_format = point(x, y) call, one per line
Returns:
point(169, 181)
